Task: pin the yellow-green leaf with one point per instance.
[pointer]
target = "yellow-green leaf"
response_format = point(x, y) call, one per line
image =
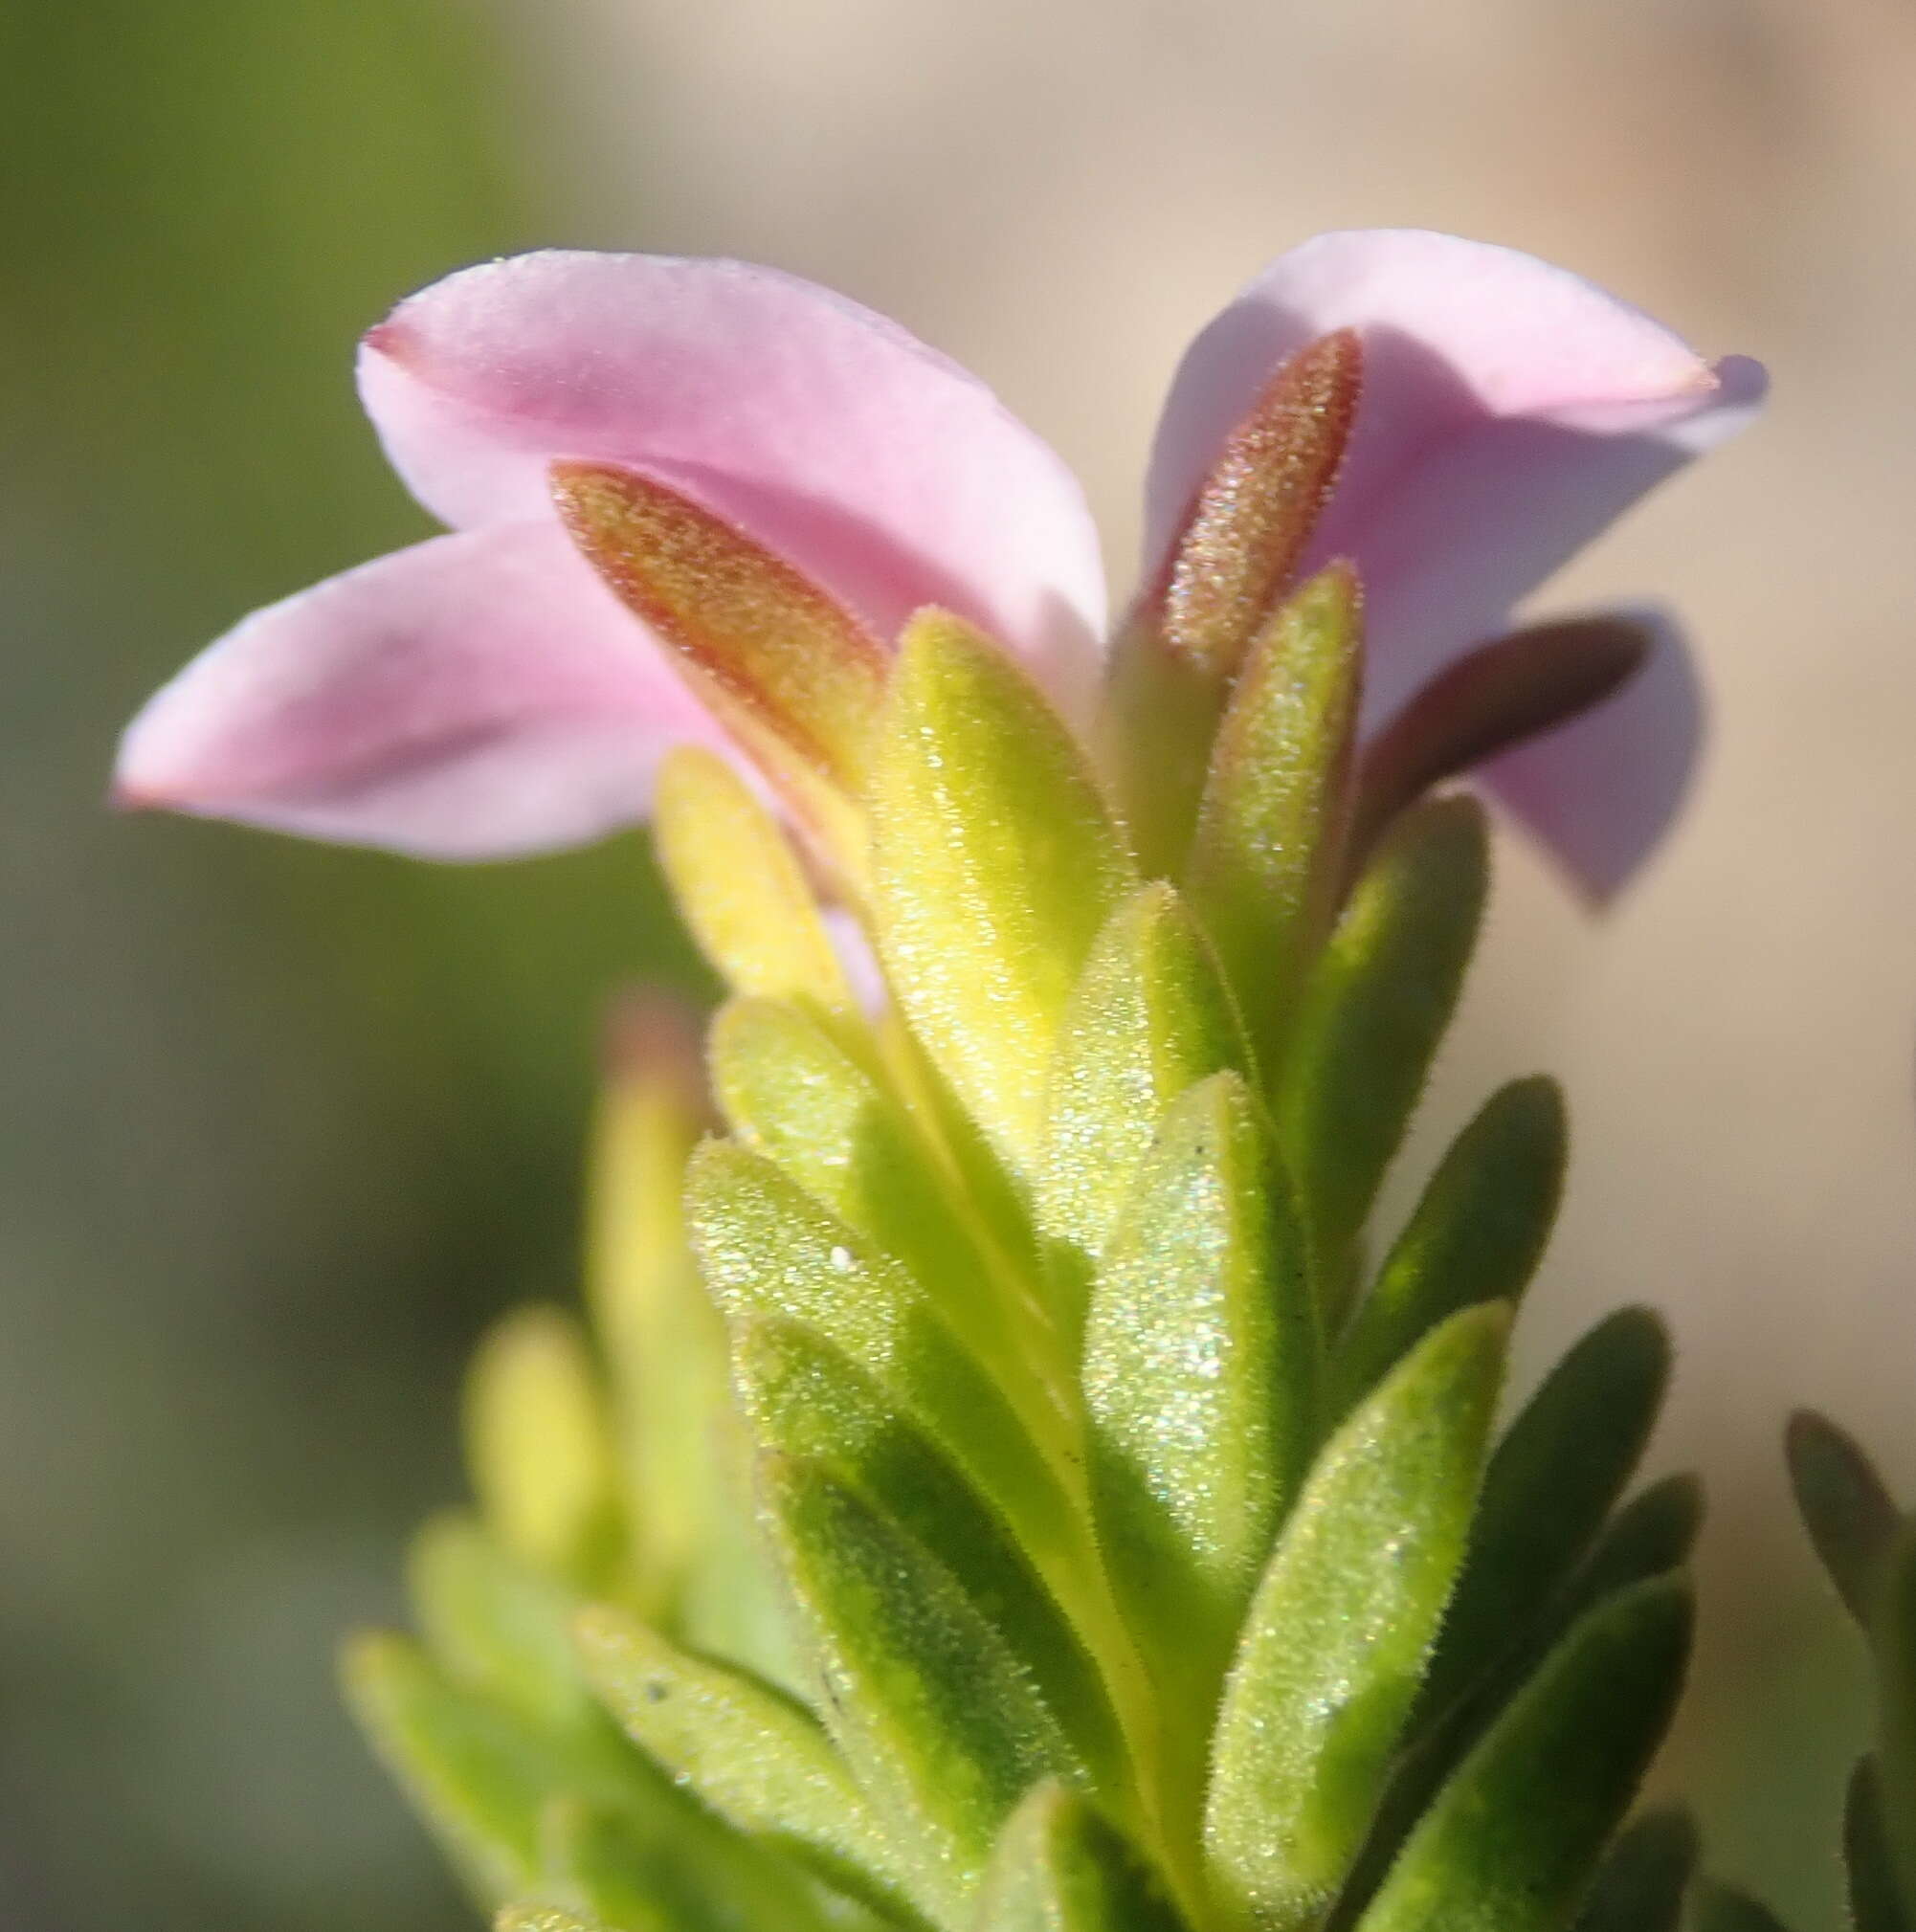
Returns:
point(1148, 1018)
point(767, 1248)
point(1201, 1362)
point(757, 1758)
point(740, 886)
point(791, 1092)
point(494, 1624)
point(994, 865)
point(539, 1442)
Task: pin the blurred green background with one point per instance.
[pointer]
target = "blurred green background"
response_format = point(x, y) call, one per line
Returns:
point(279, 1127)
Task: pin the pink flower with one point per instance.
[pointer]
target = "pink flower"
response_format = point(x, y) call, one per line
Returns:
point(485, 694)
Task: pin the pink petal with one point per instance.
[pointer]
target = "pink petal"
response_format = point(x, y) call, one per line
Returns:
point(476, 697)
point(1601, 792)
point(824, 431)
point(1510, 411)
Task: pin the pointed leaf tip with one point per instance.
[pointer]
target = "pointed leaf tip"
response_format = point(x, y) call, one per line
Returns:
point(1499, 696)
point(1477, 1234)
point(1844, 1506)
point(1259, 504)
point(1640, 1887)
point(1375, 1007)
point(794, 676)
point(1512, 1840)
point(1268, 849)
point(1060, 1867)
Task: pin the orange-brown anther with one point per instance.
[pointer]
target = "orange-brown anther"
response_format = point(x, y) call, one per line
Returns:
point(1260, 504)
point(772, 650)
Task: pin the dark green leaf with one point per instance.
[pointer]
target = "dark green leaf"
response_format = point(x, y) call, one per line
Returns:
point(1477, 1234)
point(1554, 1480)
point(1374, 1011)
point(1341, 1623)
point(1511, 1839)
point(1893, 1641)
point(1875, 1896)
point(1641, 1884)
point(1649, 1537)
point(938, 1720)
point(807, 1400)
point(1059, 1867)
point(1716, 1907)
point(1844, 1506)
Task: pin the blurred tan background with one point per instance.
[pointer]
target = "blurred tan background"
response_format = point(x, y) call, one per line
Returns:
point(281, 1125)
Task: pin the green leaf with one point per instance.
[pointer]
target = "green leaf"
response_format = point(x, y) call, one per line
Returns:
point(1148, 1018)
point(675, 1871)
point(539, 1442)
point(1476, 1234)
point(767, 1248)
point(1554, 1478)
point(1716, 1907)
point(760, 1760)
point(807, 1400)
point(1200, 1363)
point(1844, 1506)
point(475, 1772)
point(1374, 1011)
point(740, 886)
point(1641, 1884)
point(1059, 1867)
point(1511, 1839)
point(1174, 662)
point(995, 865)
point(495, 1624)
point(1893, 1641)
point(1876, 1901)
point(1340, 1625)
point(1268, 854)
point(1650, 1537)
point(793, 1094)
point(941, 1725)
